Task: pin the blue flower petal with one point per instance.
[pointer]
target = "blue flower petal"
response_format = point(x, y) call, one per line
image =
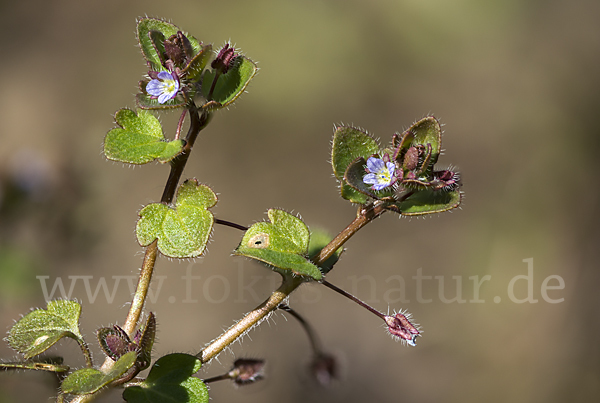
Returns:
point(375, 164)
point(164, 75)
point(371, 179)
point(154, 88)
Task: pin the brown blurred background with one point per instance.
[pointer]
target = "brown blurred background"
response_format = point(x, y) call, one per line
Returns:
point(516, 85)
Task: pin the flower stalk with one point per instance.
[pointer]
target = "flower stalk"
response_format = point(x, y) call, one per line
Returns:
point(289, 284)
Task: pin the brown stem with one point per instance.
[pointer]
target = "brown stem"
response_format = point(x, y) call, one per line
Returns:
point(353, 298)
point(139, 298)
point(365, 216)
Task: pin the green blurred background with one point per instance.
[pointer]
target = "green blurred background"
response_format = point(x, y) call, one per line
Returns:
point(516, 85)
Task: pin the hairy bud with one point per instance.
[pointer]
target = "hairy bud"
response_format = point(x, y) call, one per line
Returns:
point(401, 327)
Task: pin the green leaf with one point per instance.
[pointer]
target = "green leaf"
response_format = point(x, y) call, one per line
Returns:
point(282, 244)
point(183, 230)
point(90, 380)
point(146, 341)
point(145, 28)
point(139, 140)
point(318, 240)
point(427, 202)
point(40, 329)
point(350, 143)
point(229, 85)
point(170, 381)
point(425, 131)
point(197, 65)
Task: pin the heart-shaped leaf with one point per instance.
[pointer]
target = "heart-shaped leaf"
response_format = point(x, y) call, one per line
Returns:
point(427, 202)
point(149, 41)
point(183, 230)
point(90, 380)
point(40, 329)
point(170, 381)
point(230, 85)
point(282, 244)
point(139, 140)
point(350, 143)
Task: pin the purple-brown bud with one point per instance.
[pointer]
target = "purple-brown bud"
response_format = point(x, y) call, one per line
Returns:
point(447, 180)
point(401, 327)
point(224, 59)
point(247, 370)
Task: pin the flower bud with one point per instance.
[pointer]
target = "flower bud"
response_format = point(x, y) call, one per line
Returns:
point(224, 59)
point(247, 370)
point(401, 327)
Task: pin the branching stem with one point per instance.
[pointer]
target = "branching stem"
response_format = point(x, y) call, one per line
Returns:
point(365, 215)
point(198, 121)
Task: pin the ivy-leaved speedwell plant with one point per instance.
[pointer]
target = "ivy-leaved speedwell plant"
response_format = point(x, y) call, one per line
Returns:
point(187, 75)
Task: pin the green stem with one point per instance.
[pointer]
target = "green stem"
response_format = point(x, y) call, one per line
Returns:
point(198, 121)
point(252, 319)
point(365, 215)
point(139, 298)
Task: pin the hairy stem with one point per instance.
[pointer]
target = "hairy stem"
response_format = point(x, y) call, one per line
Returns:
point(198, 121)
point(253, 318)
point(365, 215)
point(139, 298)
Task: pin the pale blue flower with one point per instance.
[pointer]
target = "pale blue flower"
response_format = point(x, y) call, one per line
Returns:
point(380, 173)
point(164, 87)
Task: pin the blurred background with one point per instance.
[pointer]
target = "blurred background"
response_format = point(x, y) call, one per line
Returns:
point(515, 84)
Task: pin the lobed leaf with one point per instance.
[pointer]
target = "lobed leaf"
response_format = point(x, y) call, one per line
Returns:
point(139, 140)
point(182, 231)
point(170, 381)
point(42, 328)
point(282, 244)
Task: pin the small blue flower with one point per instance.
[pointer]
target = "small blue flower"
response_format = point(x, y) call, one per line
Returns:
point(164, 87)
point(380, 173)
